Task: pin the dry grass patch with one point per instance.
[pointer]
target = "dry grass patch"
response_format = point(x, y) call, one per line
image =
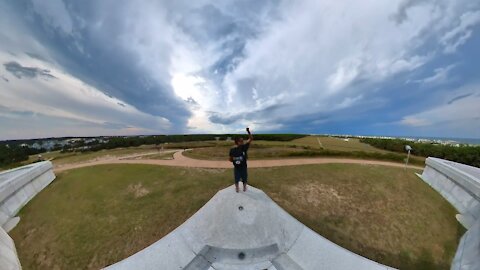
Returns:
point(383, 213)
point(138, 190)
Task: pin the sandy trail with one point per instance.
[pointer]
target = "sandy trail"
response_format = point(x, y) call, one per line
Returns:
point(179, 160)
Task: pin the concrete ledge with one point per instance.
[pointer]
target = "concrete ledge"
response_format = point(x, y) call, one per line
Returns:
point(463, 175)
point(18, 186)
point(8, 253)
point(467, 256)
point(459, 184)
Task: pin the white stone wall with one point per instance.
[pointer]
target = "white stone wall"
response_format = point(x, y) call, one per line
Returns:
point(8, 254)
point(467, 256)
point(460, 185)
point(18, 186)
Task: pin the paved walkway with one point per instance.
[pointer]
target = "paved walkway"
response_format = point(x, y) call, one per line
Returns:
point(179, 160)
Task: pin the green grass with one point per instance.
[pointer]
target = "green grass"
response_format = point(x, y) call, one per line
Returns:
point(383, 213)
point(92, 217)
point(337, 144)
point(96, 216)
point(256, 151)
point(260, 150)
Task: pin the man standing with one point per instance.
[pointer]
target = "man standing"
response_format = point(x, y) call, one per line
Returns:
point(238, 156)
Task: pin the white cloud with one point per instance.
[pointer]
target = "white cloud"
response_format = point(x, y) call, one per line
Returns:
point(462, 32)
point(309, 62)
point(66, 97)
point(459, 114)
point(441, 75)
point(323, 57)
point(414, 121)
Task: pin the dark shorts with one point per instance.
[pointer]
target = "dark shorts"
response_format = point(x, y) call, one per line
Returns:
point(240, 174)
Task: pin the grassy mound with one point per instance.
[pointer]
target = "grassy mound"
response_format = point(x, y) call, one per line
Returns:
point(94, 216)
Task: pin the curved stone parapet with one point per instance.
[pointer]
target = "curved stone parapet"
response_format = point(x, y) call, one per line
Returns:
point(8, 253)
point(467, 256)
point(18, 186)
point(245, 230)
point(460, 185)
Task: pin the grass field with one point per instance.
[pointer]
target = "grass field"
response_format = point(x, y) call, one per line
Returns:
point(92, 217)
point(76, 157)
point(379, 212)
point(304, 147)
point(337, 144)
point(218, 150)
point(322, 142)
point(256, 151)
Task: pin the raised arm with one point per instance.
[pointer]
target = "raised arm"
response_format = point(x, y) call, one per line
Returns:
point(250, 137)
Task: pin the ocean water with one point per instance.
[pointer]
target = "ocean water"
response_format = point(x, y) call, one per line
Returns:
point(459, 140)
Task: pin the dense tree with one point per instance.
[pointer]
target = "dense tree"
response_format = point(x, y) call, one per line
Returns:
point(465, 154)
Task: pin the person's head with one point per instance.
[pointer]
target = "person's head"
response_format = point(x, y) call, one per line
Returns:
point(238, 140)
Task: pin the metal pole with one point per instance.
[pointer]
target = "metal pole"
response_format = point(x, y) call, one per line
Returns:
point(406, 161)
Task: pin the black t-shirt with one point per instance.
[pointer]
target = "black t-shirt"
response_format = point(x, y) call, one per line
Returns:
point(239, 155)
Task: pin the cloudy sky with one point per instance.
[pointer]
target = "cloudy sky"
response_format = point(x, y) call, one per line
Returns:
point(114, 67)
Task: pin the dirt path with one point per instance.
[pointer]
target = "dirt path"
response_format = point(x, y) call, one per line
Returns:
point(179, 160)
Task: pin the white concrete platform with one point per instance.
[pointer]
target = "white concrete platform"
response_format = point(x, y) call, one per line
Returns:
point(244, 231)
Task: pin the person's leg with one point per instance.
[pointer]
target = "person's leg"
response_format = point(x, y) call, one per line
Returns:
point(236, 176)
point(236, 187)
point(245, 179)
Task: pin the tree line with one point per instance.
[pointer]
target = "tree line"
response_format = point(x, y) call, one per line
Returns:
point(15, 153)
point(116, 142)
point(465, 154)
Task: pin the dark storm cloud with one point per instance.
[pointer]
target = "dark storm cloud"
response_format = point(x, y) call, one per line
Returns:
point(458, 98)
point(110, 125)
point(93, 54)
point(230, 32)
point(8, 111)
point(191, 101)
point(20, 71)
point(401, 15)
point(267, 112)
point(37, 56)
